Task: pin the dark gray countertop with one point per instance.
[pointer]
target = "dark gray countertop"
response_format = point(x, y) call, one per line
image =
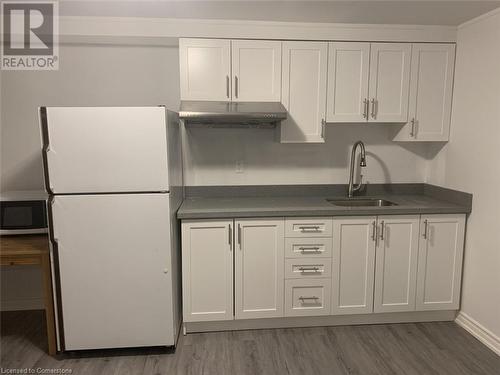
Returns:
point(427, 202)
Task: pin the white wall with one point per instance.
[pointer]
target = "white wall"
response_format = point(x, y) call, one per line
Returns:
point(212, 155)
point(472, 163)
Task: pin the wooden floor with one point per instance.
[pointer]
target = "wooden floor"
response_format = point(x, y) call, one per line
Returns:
point(423, 348)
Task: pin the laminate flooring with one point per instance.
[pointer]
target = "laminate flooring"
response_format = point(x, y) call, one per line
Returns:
point(416, 348)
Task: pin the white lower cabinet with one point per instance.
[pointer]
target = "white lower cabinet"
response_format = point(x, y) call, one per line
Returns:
point(207, 270)
point(259, 268)
point(354, 240)
point(396, 263)
point(290, 267)
point(440, 262)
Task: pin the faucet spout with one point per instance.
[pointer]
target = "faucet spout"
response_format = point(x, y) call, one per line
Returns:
point(353, 188)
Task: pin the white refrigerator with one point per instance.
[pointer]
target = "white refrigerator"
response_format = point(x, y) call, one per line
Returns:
point(114, 177)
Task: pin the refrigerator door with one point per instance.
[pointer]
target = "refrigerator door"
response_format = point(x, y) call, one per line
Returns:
point(105, 149)
point(114, 257)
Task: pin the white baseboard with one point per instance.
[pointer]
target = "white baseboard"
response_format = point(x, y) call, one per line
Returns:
point(318, 321)
point(484, 335)
point(22, 304)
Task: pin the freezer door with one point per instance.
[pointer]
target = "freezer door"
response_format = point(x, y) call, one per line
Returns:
point(114, 260)
point(105, 149)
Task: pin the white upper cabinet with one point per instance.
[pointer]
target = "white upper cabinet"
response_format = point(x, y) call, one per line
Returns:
point(225, 70)
point(205, 69)
point(440, 262)
point(431, 89)
point(304, 91)
point(389, 82)
point(207, 270)
point(348, 69)
point(368, 82)
point(396, 263)
point(256, 66)
point(259, 268)
point(354, 241)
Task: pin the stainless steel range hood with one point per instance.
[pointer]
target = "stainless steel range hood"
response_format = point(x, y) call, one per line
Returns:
point(232, 114)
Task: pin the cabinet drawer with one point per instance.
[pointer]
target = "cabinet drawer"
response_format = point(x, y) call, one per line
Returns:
point(308, 227)
point(307, 297)
point(308, 268)
point(315, 247)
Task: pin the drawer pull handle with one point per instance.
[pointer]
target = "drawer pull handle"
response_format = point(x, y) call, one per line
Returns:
point(309, 228)
point(310, 269)
point(307, 298)
point(312, 249)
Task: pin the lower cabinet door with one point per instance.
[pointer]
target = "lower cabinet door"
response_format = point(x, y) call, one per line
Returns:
point(207, 270)
point(259, 268)
point(440, 262)
point(309, 297)
point(353, 265)
point(396, 263)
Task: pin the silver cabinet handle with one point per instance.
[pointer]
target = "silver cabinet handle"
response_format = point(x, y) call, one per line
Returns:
point(374, 228)
point(227, 86)
point(366, 104)
point(230, 232)
point(314, 228)
point(239, 235)
point(310, 269)
point(236, 86)
point(312, 249)
point(306, 298)
point(382, 230)
point(323, 122)
point(373, 101)
point(426, 224)
point(412, 129)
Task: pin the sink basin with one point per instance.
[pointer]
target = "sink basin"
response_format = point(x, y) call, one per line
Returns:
point(360, 202)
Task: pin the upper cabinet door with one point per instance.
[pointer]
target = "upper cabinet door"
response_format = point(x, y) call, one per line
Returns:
point(304, 91)
point(389, 82)
point(259, 268)
point(441, 249)
point(430, 93)
point(348, 67)
point(256, 66)
point(396, 263)
point(205, 69)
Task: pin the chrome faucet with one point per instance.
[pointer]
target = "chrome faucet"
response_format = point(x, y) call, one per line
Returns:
point(353, 188)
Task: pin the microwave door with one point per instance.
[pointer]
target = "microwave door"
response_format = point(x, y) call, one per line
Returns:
point(23, 217)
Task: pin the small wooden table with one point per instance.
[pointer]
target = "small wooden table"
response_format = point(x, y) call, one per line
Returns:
point(33, 249)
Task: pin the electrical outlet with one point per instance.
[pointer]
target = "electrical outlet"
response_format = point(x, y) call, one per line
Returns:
point(240, 166)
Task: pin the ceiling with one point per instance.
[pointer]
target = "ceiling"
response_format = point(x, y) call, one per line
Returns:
point(375, 12)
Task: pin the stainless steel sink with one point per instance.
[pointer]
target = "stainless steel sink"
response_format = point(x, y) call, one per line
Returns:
point(361, 202)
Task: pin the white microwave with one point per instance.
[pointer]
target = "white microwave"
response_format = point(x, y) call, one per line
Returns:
point(23, 212)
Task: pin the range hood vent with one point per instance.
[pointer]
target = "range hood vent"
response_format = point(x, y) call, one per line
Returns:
point(232, 114)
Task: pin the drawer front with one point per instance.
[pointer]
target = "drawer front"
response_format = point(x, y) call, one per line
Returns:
point(307, 268)
point(307, 297)
point(308, 227)
point(315, 247)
